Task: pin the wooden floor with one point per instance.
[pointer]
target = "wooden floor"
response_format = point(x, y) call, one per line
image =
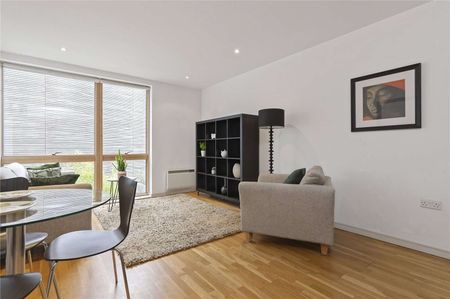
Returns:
point(357, 267)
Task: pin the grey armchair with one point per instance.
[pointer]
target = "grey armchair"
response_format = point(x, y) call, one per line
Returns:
point(299, 212)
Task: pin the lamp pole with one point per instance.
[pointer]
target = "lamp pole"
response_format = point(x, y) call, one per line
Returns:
point(271, 150)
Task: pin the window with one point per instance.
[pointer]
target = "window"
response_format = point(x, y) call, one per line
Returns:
point(79, 121)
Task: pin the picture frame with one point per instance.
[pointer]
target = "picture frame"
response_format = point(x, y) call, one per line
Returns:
point(387, 100)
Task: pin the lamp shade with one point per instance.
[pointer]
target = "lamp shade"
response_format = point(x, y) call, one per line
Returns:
point(273, 117)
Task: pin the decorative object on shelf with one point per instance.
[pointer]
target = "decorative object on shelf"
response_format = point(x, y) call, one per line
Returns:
point(387, 100)
point(272, 118)
point(224, 190)
point(237, 170)
point(213, 170)
point(121, 165)
point(202, 146)
point(224, 153)
point(213, 135)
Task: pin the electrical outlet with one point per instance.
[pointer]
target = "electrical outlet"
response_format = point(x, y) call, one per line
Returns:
point(431, 204)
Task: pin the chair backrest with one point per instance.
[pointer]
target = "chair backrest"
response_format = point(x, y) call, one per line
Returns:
point(19, 285)
point(127, 194)
point(13, 184)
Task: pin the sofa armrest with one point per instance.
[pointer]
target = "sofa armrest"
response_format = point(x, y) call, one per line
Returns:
point(301, 212)
point(272, 178)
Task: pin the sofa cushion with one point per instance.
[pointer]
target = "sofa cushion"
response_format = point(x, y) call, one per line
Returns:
point(296, 176)
point(60, 180)
point(314, 176)
point(45, 166)
point(18, 169)
point(6, 173)
point(44, 173)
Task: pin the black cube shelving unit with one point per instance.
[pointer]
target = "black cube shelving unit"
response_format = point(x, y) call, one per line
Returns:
point(239, 135)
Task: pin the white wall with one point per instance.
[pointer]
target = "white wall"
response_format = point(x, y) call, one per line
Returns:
point(174, 112)
point(379, 176)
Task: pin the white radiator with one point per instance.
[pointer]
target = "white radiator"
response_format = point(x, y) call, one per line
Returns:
point(181, 180)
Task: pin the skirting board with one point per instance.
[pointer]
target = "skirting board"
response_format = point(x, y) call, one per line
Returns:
point(394, 240)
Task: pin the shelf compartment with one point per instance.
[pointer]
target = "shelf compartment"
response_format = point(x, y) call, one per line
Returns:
point(220, 182)
point(230, 168)
point(234, 127)
point(233, 189)
point(201, 181)
point(210, 163)
point(221, 167)
point(221, 127)
point(234, 148)
point(211, 183)
point(220, 145)
point(211, 148)
point(201, 164)
point(210, 128)
point(197, 146)
point(201, 131)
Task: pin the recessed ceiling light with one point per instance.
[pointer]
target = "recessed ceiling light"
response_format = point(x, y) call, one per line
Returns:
point(187, 77)
point(63, 49)
point(236, 51)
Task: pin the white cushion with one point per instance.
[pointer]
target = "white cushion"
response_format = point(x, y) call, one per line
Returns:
point(314, 176)
point(6, 173)
point(18, 169)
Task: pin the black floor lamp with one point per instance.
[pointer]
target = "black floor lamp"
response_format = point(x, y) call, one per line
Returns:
point(272, 118)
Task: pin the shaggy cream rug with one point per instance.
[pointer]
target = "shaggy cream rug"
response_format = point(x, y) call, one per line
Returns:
point(164, 225)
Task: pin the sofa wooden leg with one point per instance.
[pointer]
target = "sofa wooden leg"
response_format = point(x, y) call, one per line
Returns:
point(250, 237)
point(324, 249)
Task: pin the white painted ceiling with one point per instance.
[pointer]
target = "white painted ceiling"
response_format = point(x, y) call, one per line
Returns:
point(165, 41)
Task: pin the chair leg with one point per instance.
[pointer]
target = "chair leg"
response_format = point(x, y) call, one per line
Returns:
point(124, 271)
point(324, 249)
point(52, 279)
point(249, 237)
point(52, 266)
point(41, 289)
point(30, 260)
point(114, 264)
point(30, 266)
point(55, 282)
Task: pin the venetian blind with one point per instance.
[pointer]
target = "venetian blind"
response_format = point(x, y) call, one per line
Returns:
point(44, 113)
point(124, 119)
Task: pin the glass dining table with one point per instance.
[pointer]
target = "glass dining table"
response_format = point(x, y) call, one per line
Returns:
point(40, 205)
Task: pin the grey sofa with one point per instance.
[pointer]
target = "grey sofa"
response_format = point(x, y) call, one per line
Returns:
point(299, 212)
point(54, 227)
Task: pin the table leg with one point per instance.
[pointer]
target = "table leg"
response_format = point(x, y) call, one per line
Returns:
point(111, 196)
point(116, 193)
point(15, 249)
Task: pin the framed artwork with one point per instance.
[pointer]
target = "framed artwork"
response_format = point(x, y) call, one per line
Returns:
point(387, 100)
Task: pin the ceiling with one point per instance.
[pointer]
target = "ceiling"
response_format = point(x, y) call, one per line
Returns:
point(166, 41)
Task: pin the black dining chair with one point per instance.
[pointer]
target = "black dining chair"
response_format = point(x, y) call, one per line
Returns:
point(32, 240)
point(19, 286)
point(86, 243)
